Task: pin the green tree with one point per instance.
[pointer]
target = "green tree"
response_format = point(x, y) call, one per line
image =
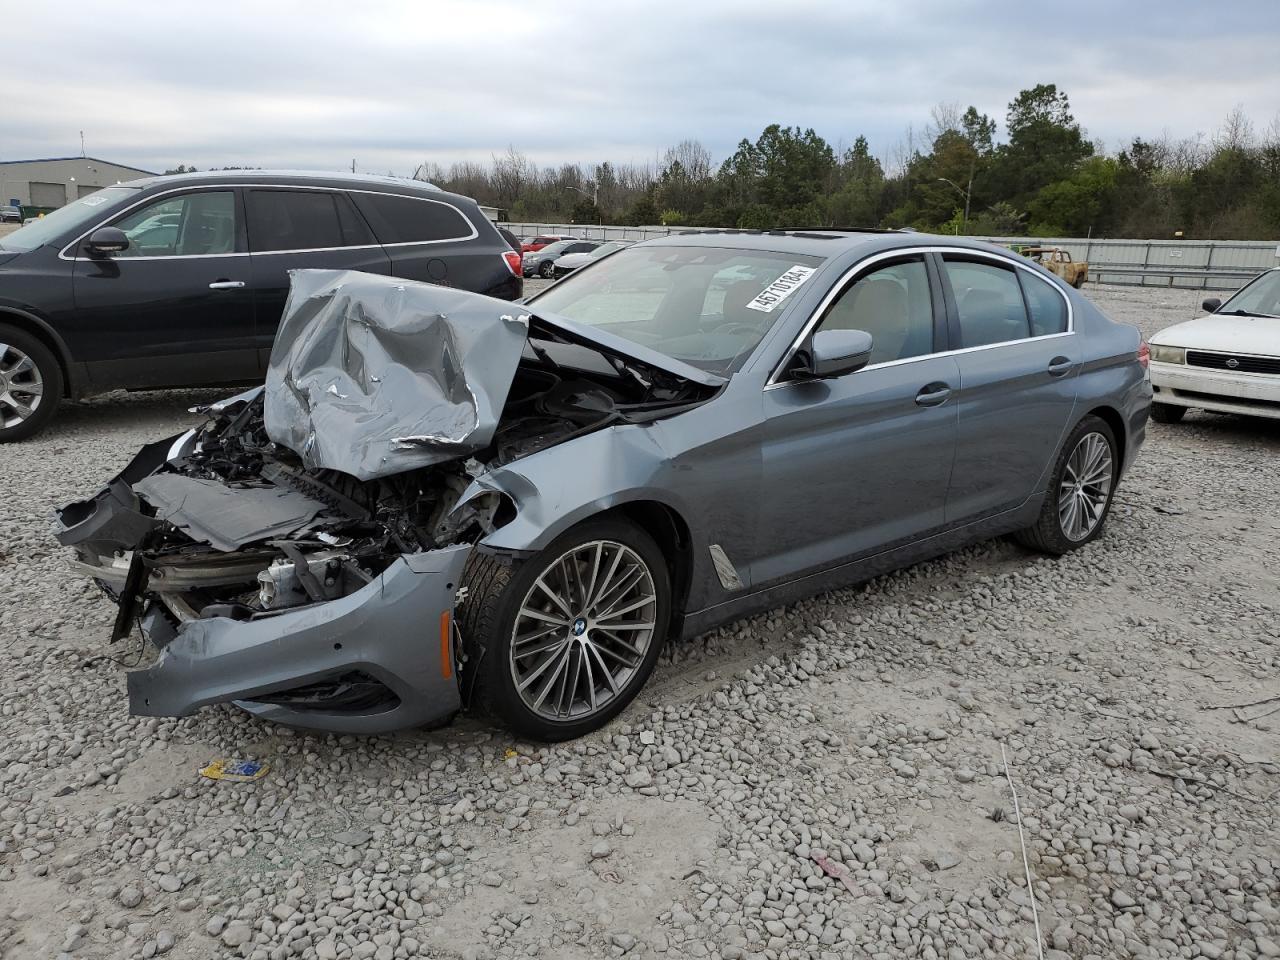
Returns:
point(1045, 144)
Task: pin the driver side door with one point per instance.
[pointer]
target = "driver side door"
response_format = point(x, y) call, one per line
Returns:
point(860, 463)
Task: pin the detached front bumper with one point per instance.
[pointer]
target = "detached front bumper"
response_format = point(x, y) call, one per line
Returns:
point(395, 630)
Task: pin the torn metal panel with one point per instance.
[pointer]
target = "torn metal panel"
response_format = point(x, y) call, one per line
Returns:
point(374, 375)
point(223, 516)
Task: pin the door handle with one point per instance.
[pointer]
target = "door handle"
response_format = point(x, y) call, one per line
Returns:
point(1059, 366)
point(933, 394)
point(226, 285)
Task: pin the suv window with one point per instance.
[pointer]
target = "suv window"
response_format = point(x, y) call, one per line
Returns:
point(194, 224)
point(989, 301)
point(303, 220)
point(894, 305)
point(1045, 304)
point(397, 219)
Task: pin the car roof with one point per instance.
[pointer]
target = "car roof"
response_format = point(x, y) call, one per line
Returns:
point(350, 181)
point(822, 242)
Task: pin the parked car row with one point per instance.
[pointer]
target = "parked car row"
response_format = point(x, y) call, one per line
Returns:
point(181, 280)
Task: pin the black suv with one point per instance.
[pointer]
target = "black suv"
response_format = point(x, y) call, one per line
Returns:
point(180, 281)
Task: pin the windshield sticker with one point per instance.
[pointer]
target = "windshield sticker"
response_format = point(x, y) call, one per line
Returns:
point(780, 289)
point(92, 201)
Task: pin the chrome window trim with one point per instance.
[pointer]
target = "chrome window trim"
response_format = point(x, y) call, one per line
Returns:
point(862, 265)
point(62, 254)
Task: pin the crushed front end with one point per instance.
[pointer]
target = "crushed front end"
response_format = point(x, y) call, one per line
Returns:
point(305, 596)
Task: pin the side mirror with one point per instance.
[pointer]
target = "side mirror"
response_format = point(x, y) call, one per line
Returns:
point(1211, 305)
point(105, 241)
point(832, 353)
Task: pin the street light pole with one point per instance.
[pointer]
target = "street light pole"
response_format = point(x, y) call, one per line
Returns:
point(967, 194)
point(594, 195)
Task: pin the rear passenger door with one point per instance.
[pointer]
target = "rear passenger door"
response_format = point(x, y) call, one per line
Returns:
point(1019, 360)
point(427, 240)
point(292, 228)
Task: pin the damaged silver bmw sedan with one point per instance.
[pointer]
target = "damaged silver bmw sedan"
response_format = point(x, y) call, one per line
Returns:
point(439, 500)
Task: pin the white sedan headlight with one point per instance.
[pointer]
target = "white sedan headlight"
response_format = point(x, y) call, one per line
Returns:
point(1168, 354)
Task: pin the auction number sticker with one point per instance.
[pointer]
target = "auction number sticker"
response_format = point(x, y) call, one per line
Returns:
point(780, 289)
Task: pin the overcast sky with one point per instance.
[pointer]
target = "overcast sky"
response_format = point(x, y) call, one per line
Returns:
point(391, 84)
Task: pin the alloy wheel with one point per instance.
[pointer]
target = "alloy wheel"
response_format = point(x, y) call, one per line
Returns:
point(1085, 487)
point(583, 630)
point(21, 386)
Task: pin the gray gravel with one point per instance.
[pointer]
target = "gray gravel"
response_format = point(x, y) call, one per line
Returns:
point(860, 730)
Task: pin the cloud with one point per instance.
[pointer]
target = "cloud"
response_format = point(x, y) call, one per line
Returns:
point(392, 83)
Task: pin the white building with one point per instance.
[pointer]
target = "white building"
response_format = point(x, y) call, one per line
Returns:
point(57, 181)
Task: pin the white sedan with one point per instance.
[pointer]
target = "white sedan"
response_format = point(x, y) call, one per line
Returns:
point(1228, 361)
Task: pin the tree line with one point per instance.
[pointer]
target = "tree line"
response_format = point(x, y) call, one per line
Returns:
point(1038, 175)
point(961, 172)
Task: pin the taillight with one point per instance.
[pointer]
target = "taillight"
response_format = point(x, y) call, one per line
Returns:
point(512, 260)
point(1144, 354)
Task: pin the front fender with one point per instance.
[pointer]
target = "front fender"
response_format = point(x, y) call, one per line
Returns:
point(556, 488)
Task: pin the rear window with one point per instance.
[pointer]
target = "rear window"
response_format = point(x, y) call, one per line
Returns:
point(399, 219)
point(303, 220)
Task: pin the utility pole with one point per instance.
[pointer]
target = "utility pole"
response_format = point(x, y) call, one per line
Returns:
point(353, 166)
point(964, 193)
point(82, 143)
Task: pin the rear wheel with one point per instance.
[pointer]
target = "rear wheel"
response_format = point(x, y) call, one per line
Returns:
point(1167, 412)
point(1081, 484)
point(30, 384)
point(565, 640)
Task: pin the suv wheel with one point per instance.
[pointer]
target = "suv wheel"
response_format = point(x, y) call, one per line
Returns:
point(546, 269)
point(565, 640)
point(30, 384)
point(1080, 490)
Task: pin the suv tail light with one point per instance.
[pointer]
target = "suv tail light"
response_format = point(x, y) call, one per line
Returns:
point(1144, 354)
point(512, 260)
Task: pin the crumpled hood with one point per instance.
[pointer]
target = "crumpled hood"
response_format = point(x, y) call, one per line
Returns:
point(374, 375)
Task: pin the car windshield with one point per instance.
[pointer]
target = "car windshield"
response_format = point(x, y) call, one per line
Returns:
point(62, 223)
point(707, 306)
point(1260, 298)
point(556, 247)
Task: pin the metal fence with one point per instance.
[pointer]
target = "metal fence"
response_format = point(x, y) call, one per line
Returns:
point(1192, 264)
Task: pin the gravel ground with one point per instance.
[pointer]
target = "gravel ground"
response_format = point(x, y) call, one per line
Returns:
point(862, 730)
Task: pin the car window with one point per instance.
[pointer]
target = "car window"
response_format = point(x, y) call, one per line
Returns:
point(302, 220)
point(989, 303)
point(1045, 304)
point(707, 306)
point(193, 224)
point(894, 305)
point(398, 219)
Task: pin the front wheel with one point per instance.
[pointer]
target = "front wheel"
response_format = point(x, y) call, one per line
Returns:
point(30, 384)
point(1081, 485)
point(565, 640)
point(1167, 412)
point(546, 270)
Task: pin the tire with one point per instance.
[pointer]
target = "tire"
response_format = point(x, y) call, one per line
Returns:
point(1167, 412)
point(498, 594)
point(546, 270)
point(1054, 531)
point(30, 380)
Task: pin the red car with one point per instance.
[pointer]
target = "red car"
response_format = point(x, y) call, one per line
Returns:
point(540, 241)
